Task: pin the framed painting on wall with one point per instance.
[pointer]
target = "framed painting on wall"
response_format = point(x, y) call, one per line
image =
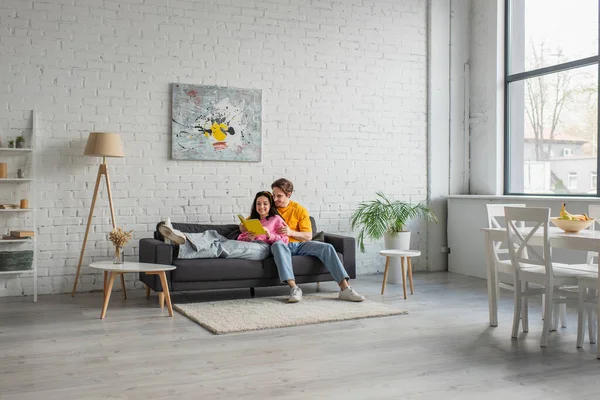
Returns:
point(216, 123)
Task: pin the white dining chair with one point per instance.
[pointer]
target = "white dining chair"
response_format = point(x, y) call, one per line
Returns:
point(533, 265)
point(495, 214)
point(593, 212)
point(496, 219)
point(587, 307)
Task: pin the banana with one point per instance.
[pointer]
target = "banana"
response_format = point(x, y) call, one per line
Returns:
point(586, 217)
point(563, 212)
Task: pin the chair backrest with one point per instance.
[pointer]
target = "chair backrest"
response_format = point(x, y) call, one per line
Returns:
point(519, 239)
point(495, 213)
point(593, 212)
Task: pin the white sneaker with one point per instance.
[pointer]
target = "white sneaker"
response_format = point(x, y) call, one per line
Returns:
point(295, 295)
point(350, 294)
point(171, 233)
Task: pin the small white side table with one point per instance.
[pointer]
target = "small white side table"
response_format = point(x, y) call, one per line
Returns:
point(130, 266)
point(408, 254)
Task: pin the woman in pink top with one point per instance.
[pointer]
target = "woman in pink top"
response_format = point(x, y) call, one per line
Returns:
point(263, 209)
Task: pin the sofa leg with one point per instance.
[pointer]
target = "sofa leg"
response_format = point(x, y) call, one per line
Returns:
point(251, 292)
point(161, 299)
point(318, 287)
point(147, 291)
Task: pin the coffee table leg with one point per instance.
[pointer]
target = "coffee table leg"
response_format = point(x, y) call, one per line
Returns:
point(385, 273)
point(105, 282)
point(165, 288)
point(111, 281)
point(403, 276)
point(123, 285)
point(410, 275)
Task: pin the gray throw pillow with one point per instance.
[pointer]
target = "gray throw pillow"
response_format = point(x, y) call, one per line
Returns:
point(233, 235)
point(319, 237)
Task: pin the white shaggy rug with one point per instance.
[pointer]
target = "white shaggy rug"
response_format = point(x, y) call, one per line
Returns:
point(229, 316)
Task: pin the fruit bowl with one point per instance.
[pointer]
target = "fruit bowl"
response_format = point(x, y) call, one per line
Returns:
point(571, 226)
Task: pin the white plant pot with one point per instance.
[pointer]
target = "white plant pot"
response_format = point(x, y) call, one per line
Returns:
point(399, 241)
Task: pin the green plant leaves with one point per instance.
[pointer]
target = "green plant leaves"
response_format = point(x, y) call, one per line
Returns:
point(377, 217)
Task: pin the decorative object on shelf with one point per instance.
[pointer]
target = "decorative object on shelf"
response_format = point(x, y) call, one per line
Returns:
point(216, 123)
point(100, 144)
point(20, 142)
point(9, 206)
point(23, 204)
point(16, 260)
point(22, 233)
point(20, 173)
point(119, 238)
point(3, 170)
point(11, 144)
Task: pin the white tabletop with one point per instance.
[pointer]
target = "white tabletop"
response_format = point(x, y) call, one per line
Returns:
point(131, 266)
point(400, 253)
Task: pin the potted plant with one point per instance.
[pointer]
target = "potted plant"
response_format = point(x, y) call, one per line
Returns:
point(20, 141)
point(11, 144)
point(387, 218)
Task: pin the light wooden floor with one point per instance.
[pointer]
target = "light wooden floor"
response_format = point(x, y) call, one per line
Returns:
point(444, 349)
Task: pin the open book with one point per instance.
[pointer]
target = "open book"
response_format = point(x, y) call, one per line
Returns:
point(252, 225)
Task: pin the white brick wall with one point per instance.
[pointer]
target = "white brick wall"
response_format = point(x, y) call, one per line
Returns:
point(344, 112)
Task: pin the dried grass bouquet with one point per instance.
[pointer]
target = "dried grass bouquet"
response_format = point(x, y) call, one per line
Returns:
point(119, 237)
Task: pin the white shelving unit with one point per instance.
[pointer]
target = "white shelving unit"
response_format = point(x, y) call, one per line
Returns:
point(9, 187)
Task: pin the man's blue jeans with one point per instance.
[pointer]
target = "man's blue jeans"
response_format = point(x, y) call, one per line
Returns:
point(323, 251)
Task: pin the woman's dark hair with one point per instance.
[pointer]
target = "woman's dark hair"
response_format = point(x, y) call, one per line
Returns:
point(272, 209)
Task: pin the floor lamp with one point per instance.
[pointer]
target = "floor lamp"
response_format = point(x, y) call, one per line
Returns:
point(100, 144)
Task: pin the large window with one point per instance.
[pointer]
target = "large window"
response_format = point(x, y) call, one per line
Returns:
point(551, 96)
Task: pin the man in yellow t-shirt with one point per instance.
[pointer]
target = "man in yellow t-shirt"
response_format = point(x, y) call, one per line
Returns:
point(299, 230)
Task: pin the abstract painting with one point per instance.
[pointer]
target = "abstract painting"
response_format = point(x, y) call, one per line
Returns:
point(216, 123)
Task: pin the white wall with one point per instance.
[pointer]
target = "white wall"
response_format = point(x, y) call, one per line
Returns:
point(487, 97)
point(439, 131)
point(344, 112)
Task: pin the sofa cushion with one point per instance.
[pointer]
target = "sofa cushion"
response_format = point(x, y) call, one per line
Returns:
point(318, 237)
point(303, 265)
point(214, 269)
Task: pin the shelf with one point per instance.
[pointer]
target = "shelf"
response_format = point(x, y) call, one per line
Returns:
point(6, 150)
point(10, 185)
point(15, 272)
point(17, 180)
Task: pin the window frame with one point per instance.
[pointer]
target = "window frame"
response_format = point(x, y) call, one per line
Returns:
point(521, 76)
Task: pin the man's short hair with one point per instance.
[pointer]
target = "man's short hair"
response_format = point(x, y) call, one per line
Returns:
point(286, 186)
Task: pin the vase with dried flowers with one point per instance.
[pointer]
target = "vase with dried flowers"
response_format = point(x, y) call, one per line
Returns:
point(119, 237)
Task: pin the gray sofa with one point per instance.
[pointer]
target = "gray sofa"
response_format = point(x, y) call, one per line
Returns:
point(228, 273)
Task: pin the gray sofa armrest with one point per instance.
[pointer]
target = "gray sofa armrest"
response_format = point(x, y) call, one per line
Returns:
point(346, 245)
point(155, 252)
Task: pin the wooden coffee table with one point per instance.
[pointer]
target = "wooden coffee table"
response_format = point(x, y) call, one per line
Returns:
point(130, 266)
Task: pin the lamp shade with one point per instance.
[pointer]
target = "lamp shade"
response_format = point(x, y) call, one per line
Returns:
point(104, 144)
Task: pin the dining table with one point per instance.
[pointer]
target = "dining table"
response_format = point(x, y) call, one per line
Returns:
point(585, 240)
